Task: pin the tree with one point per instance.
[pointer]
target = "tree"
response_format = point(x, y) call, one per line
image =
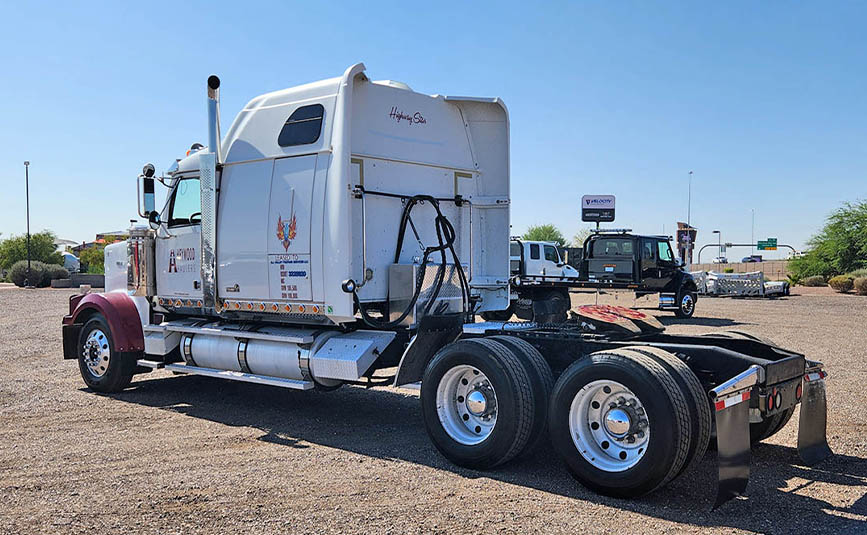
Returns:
point(579, 237)
point(840, 247)
point(546, 232)
point(94, 258)
point(42, 249)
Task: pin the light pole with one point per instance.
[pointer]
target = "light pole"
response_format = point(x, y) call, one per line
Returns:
point(718, 243)
point(753, 233)
point(27, 193)
point(689, 201)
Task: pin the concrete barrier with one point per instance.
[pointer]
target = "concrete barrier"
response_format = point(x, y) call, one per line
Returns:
point(95, 280)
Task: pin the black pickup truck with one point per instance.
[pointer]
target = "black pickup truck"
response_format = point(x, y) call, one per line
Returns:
point(611, 260)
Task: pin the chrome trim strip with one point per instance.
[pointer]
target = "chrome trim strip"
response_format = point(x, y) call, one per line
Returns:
point(236, 333)
point(746, 379)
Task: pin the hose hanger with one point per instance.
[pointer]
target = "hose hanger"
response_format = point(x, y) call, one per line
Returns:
point(446, 237)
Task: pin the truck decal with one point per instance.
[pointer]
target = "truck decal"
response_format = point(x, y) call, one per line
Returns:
point(398, 116)
point(182, 260)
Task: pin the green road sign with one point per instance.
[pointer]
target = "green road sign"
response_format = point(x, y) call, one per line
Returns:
point(767, 245)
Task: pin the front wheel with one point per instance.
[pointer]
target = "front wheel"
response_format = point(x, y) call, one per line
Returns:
point(685, 304)
point(102, 367)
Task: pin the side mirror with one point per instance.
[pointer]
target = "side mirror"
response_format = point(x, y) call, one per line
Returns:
point(147, 190)
point(154, 220)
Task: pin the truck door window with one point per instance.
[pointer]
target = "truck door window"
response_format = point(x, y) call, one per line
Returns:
point(302, 127)
point(514, 250)
point(551, 254)
point(534, 251)
point(646, 250)
point(665, 251)
point(186, 206)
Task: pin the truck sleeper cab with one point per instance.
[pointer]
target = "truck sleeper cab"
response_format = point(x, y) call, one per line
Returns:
point(349, 227)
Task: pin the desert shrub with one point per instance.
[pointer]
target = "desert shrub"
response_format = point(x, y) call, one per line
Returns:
point(814, 281)
point(793, 280)
point(860, 285)
point(728, 270)
point(841, 245)
point(18, 273)
point(841, 283)
point(53, 271)
point(858, 273)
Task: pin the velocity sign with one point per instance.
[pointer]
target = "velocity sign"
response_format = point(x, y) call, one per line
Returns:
point(597, 208)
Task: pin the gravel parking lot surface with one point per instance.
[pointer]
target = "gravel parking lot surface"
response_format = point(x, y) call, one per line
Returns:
point(176, 454)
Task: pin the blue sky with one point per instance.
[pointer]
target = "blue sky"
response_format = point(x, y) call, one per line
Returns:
point(765, 102)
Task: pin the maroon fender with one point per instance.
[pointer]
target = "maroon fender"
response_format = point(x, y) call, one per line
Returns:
point(118, 310)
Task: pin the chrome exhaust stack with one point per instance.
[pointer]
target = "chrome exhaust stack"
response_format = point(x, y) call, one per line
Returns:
point(214, 117)
point(209, 180)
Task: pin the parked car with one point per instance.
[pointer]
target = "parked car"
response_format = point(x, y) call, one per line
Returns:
point(71, 263)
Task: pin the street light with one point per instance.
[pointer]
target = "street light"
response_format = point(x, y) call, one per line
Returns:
point(27, 192)
point(689, 201)
point(718, 243)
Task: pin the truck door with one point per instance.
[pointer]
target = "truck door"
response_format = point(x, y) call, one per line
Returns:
point(650, 272)
point(179, 243)
point(666, 264)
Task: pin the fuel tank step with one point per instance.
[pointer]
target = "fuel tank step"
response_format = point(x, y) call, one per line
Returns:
point(240, 376)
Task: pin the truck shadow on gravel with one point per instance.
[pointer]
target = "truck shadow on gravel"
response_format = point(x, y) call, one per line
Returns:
point(387, 424)
point(704, 322)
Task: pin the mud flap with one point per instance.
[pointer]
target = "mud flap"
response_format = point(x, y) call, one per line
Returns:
point(434, 332)
point(733, 446)
point(812, 442)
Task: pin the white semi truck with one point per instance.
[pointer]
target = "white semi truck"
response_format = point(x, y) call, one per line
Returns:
point(350, 230)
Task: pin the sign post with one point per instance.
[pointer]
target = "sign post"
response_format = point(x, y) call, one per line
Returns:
point(597, 208)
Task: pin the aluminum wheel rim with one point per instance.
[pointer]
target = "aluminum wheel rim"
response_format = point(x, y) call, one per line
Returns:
point(686, 304)
point(97, 353)
point(598, 430)
point(466, 405)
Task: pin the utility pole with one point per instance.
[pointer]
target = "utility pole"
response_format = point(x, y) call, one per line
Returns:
point(27, 193)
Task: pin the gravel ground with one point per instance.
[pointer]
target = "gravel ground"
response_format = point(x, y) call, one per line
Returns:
point(177, 454)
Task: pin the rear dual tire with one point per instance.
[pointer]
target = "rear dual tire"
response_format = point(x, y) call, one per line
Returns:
point(477, 403)
point(623, 423)
point(499, 413)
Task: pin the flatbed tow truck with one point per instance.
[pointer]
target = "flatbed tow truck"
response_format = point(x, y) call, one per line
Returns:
point(280, 258)
point(613, 259)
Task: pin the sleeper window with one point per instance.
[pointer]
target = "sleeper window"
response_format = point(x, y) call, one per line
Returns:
point(302, 127)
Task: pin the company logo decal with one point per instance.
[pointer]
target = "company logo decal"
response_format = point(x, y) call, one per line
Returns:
point(398, 116)
point(186, 257)
point(286, 229)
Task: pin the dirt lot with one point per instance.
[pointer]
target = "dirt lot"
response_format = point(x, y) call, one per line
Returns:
point(184, 454)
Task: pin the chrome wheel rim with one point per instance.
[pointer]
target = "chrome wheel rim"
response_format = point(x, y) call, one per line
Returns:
point(96, 353)
point(686, 304)
point(466, 405)
point(609, 426)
